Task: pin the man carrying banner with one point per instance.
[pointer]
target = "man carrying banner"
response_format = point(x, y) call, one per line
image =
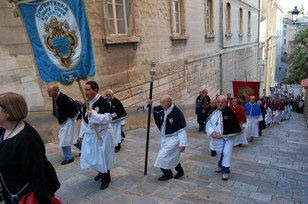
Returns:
point(254, 116)
point(171, 123)
point(118, 121)
point(222, 126)
point(66, 112)
point(97, 150)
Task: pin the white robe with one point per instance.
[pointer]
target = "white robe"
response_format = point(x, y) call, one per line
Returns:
point(252, 127)
point(220, 145)
point(277, 116)
point(116, 129)
point(242, 138)
point(269, 116)
point(68, 134)
point(94, 155)
point(169, 155)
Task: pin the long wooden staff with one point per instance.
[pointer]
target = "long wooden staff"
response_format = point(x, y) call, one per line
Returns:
point(152, 73)
point(88, 108)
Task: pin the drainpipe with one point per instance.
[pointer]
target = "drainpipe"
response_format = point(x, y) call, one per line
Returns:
point(221, 46)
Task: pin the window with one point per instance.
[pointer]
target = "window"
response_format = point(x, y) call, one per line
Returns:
point(178, 20)
point(116, 17)
point(241, 23)
point(118, 29)
point(209, 25)
point(228, 27)
point(249, 24)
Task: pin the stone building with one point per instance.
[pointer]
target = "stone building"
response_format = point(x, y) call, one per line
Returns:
point(270, 35)
point(196, 44)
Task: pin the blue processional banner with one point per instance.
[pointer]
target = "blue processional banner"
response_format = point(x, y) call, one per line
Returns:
point(60, 37)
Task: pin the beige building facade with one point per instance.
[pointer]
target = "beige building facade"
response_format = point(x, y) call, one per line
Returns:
point(195, 44)
point(270, 32)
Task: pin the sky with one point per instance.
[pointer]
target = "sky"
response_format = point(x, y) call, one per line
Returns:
point(288, 5)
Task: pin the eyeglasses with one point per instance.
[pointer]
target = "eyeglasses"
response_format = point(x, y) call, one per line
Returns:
point(108, 94)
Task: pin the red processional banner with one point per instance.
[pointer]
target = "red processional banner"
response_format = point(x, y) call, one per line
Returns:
point(246, 89)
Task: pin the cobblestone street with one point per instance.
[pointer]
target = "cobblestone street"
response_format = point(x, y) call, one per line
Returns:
point(272, 169)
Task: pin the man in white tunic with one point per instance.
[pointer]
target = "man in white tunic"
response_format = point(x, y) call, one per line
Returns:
point(171, 123)
point(97, 149)
point(66, 113)
point(254, 116)
point(223, 127)
point(118, 122)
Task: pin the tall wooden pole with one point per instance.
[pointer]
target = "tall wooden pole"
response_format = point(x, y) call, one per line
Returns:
point(152, 73)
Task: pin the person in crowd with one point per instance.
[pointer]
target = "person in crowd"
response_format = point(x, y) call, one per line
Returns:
point(262, 124)
point(204, 102)
point(171, 124)
point(280, 109)
point(24, 167)
point(229, 99)
point(118, 122)
point(241, 100)
point(97, 150)
point(223, 126)
point(254, 116)
point(241, 117)
point(266, 103)
point(208, 112)
point(300, 106)
point(66, 113)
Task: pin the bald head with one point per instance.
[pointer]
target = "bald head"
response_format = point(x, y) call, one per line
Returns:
point(221, 102)
point(252, 99)
point(213, 102)
point(165, 101)
point(53, 90)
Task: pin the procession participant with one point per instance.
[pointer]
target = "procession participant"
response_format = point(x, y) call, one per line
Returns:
point(65, 112)
point(97, 151)
point(118, 122)
point(280, 109)
point(208, 112)
point(254, 116)
point(262, 124)
point(203, 103)
point(241, 116)
point(266, 103)
point(229, 99)
point(223, 126)
point(171, 123)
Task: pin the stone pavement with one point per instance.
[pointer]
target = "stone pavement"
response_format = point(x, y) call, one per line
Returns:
point(272, 169)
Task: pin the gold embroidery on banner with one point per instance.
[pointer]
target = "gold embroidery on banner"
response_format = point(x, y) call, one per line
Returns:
point(60, 41)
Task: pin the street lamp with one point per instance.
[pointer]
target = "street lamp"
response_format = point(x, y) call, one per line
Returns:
point(294, 13)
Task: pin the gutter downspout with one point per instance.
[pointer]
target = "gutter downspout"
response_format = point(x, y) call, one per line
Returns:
point(221, 46)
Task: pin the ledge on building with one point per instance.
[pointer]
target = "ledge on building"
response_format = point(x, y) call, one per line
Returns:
point(179, 37)
point(121, 40)
point(228, 35)
point(209, 35)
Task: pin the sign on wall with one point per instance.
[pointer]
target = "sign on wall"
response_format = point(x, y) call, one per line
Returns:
point(60, 38)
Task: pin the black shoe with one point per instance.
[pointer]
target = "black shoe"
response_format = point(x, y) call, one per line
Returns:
point(165, 177)
point(80, 154)
point(98, 177)
point(104, 186)
point(67, 161)
point(179, 175)
point(213, 153)
point(117, 149)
